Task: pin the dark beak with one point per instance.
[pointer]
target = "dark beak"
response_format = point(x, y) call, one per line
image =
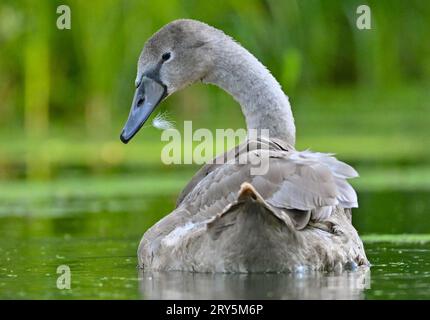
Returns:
point(149, 94)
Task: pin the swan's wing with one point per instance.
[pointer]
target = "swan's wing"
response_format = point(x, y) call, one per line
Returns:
point(249, 145)
point(310, 181)
point(201, 174)
point(300, 183)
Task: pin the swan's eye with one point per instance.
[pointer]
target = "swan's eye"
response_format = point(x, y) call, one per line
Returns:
point(166, 56)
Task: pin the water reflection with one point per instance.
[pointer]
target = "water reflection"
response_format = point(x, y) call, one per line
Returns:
point(192, 286)
point(98, 237)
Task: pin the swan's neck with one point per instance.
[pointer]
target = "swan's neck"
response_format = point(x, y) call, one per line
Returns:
point(264, 104)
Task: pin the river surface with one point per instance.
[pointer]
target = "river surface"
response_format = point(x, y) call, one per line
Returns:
point(97, 239)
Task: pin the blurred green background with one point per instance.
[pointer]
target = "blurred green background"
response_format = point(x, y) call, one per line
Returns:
point(70, 190)
point(65, 94)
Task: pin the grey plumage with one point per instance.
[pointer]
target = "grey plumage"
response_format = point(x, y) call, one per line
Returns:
point(233, 219)
point(296, 215)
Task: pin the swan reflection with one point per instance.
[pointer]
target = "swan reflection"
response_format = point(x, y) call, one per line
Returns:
point(184, 285)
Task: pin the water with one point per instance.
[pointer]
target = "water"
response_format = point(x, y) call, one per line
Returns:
point(97, 238)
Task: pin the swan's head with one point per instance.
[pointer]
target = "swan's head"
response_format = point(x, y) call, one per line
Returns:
point(174, 57)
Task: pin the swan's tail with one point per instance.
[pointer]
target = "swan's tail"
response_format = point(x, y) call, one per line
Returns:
point(249, 232)
point(249, 208)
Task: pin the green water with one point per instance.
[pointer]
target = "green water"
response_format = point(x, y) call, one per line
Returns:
point(94, 226)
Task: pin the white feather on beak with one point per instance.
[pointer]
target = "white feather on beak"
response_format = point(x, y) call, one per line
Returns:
point(162, 122)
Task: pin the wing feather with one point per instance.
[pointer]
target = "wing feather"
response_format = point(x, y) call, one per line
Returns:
point(308, 182)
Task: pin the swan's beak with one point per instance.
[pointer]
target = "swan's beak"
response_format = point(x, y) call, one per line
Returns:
point(149, 94)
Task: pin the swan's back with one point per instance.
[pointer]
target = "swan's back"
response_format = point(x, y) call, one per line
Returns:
point(271, 220)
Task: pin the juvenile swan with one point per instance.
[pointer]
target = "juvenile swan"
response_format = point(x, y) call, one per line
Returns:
point(296, 216)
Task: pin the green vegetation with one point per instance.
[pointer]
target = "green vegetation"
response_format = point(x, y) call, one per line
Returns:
point(71, 192)
point(66, 93)
point(397, 238)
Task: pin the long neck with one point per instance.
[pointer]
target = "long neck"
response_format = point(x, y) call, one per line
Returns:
point(263, 103)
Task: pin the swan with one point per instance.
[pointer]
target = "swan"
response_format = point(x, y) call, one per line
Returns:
point(295, 217)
